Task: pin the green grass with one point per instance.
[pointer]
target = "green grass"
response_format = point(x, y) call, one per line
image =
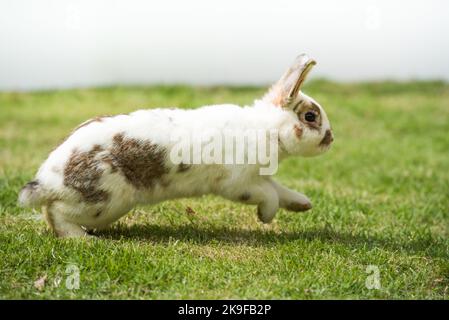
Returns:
point(381, 198)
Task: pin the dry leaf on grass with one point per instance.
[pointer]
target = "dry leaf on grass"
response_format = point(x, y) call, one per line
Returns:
point(190, 211)
point(39, 284)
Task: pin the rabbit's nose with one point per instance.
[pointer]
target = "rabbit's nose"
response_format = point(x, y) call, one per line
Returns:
point(327, 139)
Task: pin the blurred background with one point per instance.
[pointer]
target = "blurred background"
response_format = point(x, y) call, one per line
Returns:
point(380, 195)
point(51, 44)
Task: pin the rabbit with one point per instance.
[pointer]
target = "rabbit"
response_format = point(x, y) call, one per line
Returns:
point(110, 164)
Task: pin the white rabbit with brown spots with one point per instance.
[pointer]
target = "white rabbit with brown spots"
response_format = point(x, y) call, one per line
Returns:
point(110, 164)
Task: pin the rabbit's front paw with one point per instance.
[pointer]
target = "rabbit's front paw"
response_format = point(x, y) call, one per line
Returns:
point(291, 200)
point(299, 206)
point(266, 212)
point(261, 194)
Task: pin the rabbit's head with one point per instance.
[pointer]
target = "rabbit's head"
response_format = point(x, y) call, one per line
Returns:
point(307, 132)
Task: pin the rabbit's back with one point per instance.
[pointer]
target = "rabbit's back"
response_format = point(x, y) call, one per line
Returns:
point(128, 156)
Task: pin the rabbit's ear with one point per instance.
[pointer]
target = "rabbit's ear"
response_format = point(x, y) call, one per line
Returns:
point(287, 88)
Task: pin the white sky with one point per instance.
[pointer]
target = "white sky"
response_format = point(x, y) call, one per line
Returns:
point(64, 43)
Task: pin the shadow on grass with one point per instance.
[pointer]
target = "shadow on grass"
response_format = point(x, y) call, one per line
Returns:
point(425, 246)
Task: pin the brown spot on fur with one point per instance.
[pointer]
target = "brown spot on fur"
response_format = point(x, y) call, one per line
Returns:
point(295, 108)
point(297, 206)
point(109, 160)
point(182, 167)
point(83, 172)
point(310, 107)
point(245, 196)
point(298, 131)
point(327, 139)
point(141, 162)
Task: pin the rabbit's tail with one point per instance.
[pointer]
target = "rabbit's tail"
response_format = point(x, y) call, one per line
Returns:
point(32, 195)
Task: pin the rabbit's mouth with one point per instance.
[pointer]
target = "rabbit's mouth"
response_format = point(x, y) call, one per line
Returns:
point(327, 139)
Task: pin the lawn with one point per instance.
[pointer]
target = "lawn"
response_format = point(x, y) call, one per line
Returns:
point(380, 195)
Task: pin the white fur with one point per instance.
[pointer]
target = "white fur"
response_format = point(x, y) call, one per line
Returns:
point(69, 214)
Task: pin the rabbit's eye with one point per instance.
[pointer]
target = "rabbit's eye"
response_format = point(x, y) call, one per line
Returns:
point(310, 116)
